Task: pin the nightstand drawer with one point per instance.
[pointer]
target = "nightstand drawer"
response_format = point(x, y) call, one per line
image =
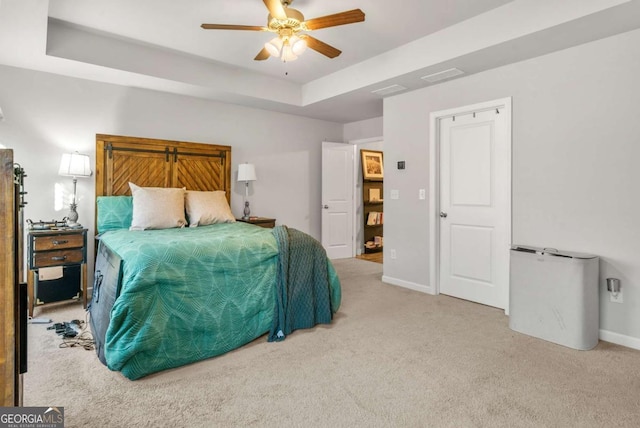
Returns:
point(45, 243)
point(57, 258)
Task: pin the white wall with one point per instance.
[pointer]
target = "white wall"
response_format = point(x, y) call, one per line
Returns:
point(47, 115)
point(576, 145)
point(363, 129)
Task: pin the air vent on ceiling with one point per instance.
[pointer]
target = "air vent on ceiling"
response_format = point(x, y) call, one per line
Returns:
point(442, 75)
point(388, 90)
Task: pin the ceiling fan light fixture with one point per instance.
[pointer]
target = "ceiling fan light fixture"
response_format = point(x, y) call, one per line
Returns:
point(287, 23)
point(298, 45)
point(274, 46)
point(287, 53)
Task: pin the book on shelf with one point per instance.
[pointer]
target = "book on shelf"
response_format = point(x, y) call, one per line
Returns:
point(374, 195)
point(371, 219)
point(375, 218)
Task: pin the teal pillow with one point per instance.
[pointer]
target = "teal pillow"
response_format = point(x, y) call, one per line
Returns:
point(114, 212)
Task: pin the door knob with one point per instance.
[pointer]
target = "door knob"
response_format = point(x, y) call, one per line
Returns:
point(443, 214)
point(326, 207)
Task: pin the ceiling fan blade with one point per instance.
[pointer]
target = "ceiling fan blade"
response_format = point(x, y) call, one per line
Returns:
point(276, 9)
point(233, 27)
point(262, 55)
point(349, 17)
point(322, 47)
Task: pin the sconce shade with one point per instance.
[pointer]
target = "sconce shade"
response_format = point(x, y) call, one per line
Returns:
point(75, 165)
point(247, 172)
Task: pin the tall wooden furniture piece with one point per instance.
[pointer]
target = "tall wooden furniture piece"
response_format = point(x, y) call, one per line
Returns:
point(66, 249)
point(13, 319)
point(372, 210)
point(373, 215)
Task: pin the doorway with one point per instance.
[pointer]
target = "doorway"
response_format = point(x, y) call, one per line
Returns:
point(471, 194)
point(375, 144)
point(342, 233)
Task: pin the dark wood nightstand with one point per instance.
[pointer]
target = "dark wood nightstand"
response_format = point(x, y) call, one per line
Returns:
point(260, 221)
point(65, 248)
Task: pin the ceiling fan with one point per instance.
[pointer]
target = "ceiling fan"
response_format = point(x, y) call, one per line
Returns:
point(288, 24)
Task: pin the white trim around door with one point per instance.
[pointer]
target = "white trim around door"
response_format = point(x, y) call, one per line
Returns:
point(503, 107)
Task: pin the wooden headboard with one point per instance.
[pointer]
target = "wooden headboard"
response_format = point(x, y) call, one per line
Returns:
point(159, 163)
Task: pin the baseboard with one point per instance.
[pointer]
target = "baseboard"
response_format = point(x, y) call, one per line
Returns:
point(620, 339)
point(406, 284)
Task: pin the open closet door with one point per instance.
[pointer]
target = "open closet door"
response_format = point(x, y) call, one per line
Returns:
point(337, 199)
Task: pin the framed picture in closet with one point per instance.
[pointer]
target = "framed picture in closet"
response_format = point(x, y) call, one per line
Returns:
point(372, 166)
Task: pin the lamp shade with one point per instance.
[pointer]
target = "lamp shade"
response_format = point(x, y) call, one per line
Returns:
point(298, 45)
point(287, 54)
point(274, 46)
point(75, 165)
point(246, 172)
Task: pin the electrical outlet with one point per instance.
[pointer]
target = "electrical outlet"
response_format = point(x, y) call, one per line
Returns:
point(393, 254)
point(617, 298)
point(422, 194)
point(395, 194)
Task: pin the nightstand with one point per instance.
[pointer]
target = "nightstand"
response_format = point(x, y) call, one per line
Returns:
point(65, 249)
point(260, 221)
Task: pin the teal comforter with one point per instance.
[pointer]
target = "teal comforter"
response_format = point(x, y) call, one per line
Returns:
point(302, 296)
point(193, 293)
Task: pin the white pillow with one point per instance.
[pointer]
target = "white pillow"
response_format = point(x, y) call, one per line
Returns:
point(205, 208)
point(157, 208)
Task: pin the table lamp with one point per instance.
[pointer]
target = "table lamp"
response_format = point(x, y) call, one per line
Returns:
point(74, 165)
point(246, 173)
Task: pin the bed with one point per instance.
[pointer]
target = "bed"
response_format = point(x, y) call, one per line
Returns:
point(171, 296)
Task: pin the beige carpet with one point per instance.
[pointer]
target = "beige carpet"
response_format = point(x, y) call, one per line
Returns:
point(392, 357)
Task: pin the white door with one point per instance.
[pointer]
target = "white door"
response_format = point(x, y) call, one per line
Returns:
point(337, 199)
point(475, 205)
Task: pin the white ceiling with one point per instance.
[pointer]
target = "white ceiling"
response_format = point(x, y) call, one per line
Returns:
point(158, 44)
